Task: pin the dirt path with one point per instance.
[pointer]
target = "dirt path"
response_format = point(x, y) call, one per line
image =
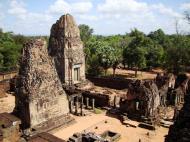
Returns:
point(7, 104)
point(140, 74)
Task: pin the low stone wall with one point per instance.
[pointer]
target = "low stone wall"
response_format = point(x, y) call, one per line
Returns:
point(114, 83)
point(45, 137)
point(7, 75)
point(4, 87)
point(101, 100)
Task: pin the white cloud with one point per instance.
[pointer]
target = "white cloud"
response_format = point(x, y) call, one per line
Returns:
point(122, 6)
point(81, 7)
point(125, 11)
point(61, 6)
point(134, 7)
point(109, 17)
point(134, 13)
point(88, 17)
point(185, 6)
point(17, 9)
point(162, 9)
point(28, 22)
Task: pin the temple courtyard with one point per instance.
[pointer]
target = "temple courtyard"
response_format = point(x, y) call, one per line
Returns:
point(99, 123)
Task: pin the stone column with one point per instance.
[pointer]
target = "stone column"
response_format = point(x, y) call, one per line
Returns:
point(76, 106)
point(81, 106)
point(115, 100)
point(93, 103)
point(160, 100)
point(71, 106)
point(87, 102)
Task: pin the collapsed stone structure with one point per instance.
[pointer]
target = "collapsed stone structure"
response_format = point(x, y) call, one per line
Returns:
point(180, 131)
point(181, 89)
point(40, 98)
point(66, 48)
point(107, 136)
point(165, 83)
point(141, 99)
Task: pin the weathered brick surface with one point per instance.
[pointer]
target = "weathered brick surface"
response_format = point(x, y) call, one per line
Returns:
point(40, 96)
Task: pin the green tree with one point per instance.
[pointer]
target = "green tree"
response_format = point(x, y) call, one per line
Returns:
point(105, 55)
point(93, 66)
point(9, 51)
point(134, 54)
point(19, 39)
point(160, 38)
point(85, 33)
point(92, 61)
point(177, 56)
point(135, 57)
point(116, 58)
point(155, 55)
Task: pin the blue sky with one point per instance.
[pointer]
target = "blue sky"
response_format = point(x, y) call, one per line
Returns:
point(106, 17)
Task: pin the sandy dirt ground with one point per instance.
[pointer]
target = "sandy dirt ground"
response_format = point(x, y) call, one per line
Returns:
point(7, 104)
point(96, 123)
point(140, 74)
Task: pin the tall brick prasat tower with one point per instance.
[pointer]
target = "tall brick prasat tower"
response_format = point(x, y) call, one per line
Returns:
point(66, 47)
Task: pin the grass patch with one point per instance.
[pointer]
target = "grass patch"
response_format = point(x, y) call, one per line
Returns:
point(97, 111)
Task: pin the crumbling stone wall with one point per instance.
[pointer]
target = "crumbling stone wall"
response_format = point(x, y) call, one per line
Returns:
point(66, 47)
point(165, 84)
point(176, 96)
point(39, 95)
point(114, 83)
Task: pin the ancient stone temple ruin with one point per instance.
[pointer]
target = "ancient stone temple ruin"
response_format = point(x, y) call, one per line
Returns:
point(66, 47)
point(142, 99)
point(180, 131)
point(40, 98)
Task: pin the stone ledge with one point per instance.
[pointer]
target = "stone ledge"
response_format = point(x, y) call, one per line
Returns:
point(54, 124)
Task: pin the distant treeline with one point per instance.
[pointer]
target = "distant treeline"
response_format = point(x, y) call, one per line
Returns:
point(10, 49)
point(134, 50)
